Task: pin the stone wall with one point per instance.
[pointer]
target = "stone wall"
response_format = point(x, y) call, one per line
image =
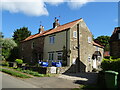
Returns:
point(27, 52)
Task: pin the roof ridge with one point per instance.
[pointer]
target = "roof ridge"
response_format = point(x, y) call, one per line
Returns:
point(71, 22)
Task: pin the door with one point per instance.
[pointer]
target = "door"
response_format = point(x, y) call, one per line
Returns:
point(94, 63)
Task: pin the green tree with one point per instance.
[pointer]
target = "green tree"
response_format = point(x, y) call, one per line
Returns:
point(21, 34)
point(1, 35)
point(104, 41)
point(7, 45)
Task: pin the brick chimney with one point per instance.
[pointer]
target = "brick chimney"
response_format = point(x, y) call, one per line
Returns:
point(56, 23)
point(41, 29)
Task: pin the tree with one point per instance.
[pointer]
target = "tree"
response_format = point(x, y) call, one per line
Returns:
point(104, 41)
point(21, 34)
point(7, 45)
point(1, 35)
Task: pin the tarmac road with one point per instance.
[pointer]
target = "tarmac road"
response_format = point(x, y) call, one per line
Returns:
point(13, 82)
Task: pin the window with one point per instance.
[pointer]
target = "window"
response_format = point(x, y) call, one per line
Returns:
point(33, 45)
point(89, 39)
point(118, 35)
point(97, 48)
point(89, 59)
point(52, 39)
point(75, 34)
point(51, 56)
point(59, 56)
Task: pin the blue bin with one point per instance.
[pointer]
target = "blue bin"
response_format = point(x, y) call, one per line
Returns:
point(58, 64)
point(44, 64)
point(53, 63)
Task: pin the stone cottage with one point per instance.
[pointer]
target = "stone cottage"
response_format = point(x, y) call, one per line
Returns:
point(115, 43)
point(70, 43)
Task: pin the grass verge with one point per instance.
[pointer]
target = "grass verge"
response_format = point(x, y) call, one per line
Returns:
point(14, 73)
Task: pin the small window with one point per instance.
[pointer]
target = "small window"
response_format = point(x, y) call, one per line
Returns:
point(89, 59)
point(97, 48)
point(89, 39)
point(118, 35)
point(52, 39)
point(75, 34)
point(59, 56)
point(33, 45)
point(51, 56)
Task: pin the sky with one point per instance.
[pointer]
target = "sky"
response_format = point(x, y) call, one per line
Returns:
point(100, 17)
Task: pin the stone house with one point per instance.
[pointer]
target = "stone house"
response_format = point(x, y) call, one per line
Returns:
point(115, 43)
point(70, 43)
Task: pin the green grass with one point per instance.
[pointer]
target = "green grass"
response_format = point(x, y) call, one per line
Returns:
point(33, 73)
point(13, 73)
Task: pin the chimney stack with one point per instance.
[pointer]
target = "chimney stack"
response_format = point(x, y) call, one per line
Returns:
point(56, 23)
point(41, 29)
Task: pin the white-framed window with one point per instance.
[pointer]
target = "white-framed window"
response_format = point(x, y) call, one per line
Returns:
point(89, 59)
point(51, 55)
point(33, 45)
point(118, 35)
point(97, 48)
point(89, 39)
point(59, 56)
point(99, 58)
point(75, 34)
point(52, 39)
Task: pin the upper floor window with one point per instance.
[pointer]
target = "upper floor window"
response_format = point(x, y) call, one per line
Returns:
point(118, 35)
point(52, 39)
point(75, 34)
point(33, 45)
point(89, 39)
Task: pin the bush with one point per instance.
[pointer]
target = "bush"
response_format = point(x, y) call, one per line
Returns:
point(5, 63)
point(19, 61)
point(111, 64)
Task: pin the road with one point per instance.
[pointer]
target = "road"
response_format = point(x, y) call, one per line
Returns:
point(9, 81)
point(13, 82)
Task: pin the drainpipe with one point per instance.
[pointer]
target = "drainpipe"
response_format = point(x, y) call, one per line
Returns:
point(66, 43)
point(78, 48)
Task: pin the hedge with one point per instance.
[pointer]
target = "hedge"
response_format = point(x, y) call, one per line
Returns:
point(111, 64)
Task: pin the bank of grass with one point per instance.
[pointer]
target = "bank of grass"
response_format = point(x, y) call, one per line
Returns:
point(13, 73)
point(30, 72)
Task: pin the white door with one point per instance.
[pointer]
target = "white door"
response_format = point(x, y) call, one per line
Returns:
point(94, 63)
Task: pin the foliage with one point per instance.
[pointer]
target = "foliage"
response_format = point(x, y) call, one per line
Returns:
point(111, 64)
point(33, 73)
point(104, 40)
point(14, 53)
point(19, 61)
point(1, 35)
point(21, 34)
point(13, 73)
point(5, 63)
point(7, 45)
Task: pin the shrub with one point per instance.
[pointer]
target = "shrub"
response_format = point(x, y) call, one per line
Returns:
point(19, 61)
point(5, 63)
point(111, 64)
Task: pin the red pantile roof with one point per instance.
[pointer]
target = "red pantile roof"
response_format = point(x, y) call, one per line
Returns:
point(58, 29)
point(106, 53)
point(54, 30)
point(96, 44)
